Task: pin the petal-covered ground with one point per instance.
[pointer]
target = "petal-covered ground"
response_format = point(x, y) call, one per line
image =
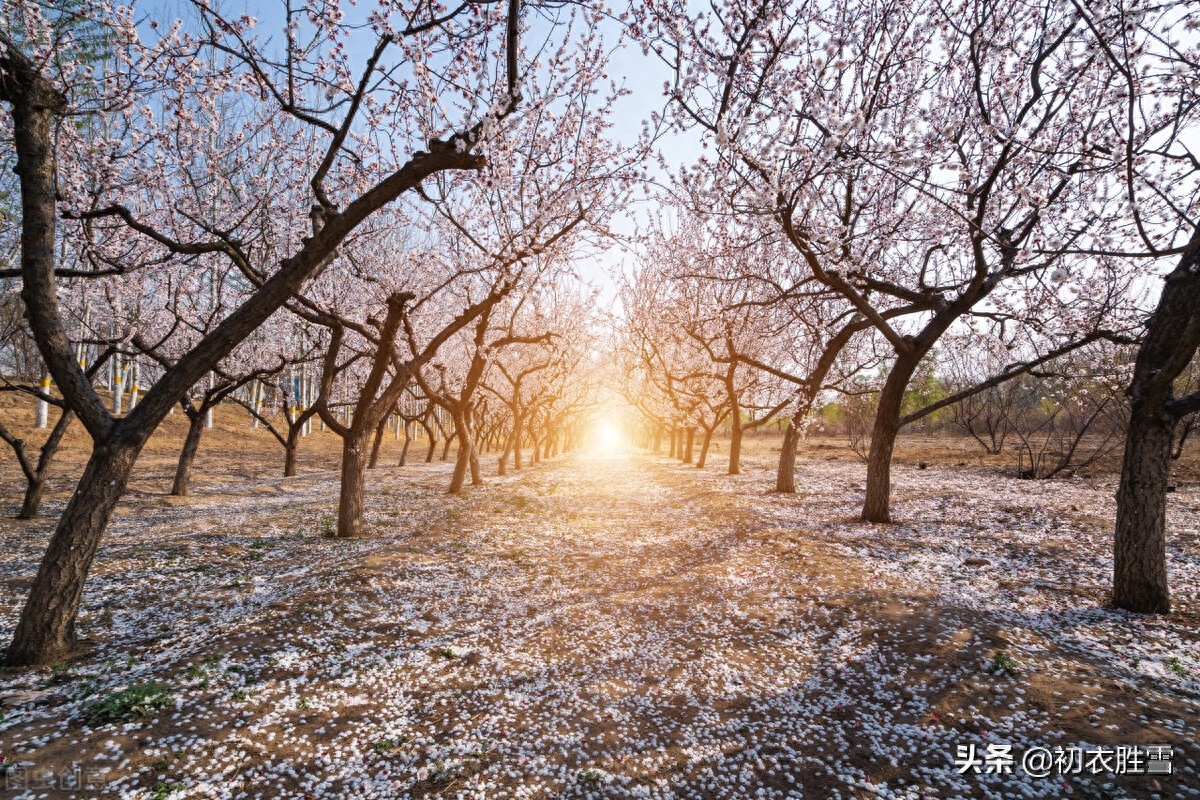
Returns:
point(611, 625)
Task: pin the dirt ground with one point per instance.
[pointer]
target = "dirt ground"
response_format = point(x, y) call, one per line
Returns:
point(609, 624)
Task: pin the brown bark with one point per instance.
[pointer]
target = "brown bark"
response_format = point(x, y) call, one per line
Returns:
point(429, 434)
point(735, 443)
point(785, 476)
point(705, 441)
point(407, 442)
point(1172, 338)
point(35, 481)
point(691, 439)
point(476, 469)
point(502, 461)
point(735, 424)
point(187, 456)
point(517, 436)
point(350, 498)
point(877, 506)
point(374, 462)
point(45, 632)
point(289, 452)
point(1140, 547)
point(462, 461)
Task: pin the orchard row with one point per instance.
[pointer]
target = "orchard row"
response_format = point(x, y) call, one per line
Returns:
point(380, 217)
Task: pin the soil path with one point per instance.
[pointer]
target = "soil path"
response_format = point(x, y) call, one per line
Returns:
point(604, 625)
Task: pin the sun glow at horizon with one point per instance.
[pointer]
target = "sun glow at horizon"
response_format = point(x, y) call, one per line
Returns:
point(608, 435)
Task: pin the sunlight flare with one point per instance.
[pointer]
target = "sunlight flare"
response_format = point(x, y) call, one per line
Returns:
point(608, 436)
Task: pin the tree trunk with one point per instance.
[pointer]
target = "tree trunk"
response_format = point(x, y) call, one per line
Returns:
point(705, 441)
point(735, 417)
point(657, 439)
point(432, 442)
point(462, 461)
point(785, 476)
point(691, 438)
point(502, 461)
point(407, 442)
point(33, 497)
point(1172, 337)
point(34, 486)
point(290, 449)
point(877, 507)
point(46, 631)
point(41, 417)
point(378, 441)
point(1139, 556)
point(518, 435)
point(735, 444)
point(187, 456)
point(350, 501)
point(476, 469)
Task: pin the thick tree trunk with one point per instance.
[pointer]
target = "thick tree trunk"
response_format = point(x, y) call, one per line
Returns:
point(1170, 344)
point(785, 476)
point(350, 501)
point(291, 449)
point(46, 631)
point(187, 456)
point(1139, 557)
point(877, 506)
point(735, 444)
point(691, 439)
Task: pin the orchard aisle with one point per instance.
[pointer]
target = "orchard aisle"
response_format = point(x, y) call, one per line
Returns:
point(606, 624)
